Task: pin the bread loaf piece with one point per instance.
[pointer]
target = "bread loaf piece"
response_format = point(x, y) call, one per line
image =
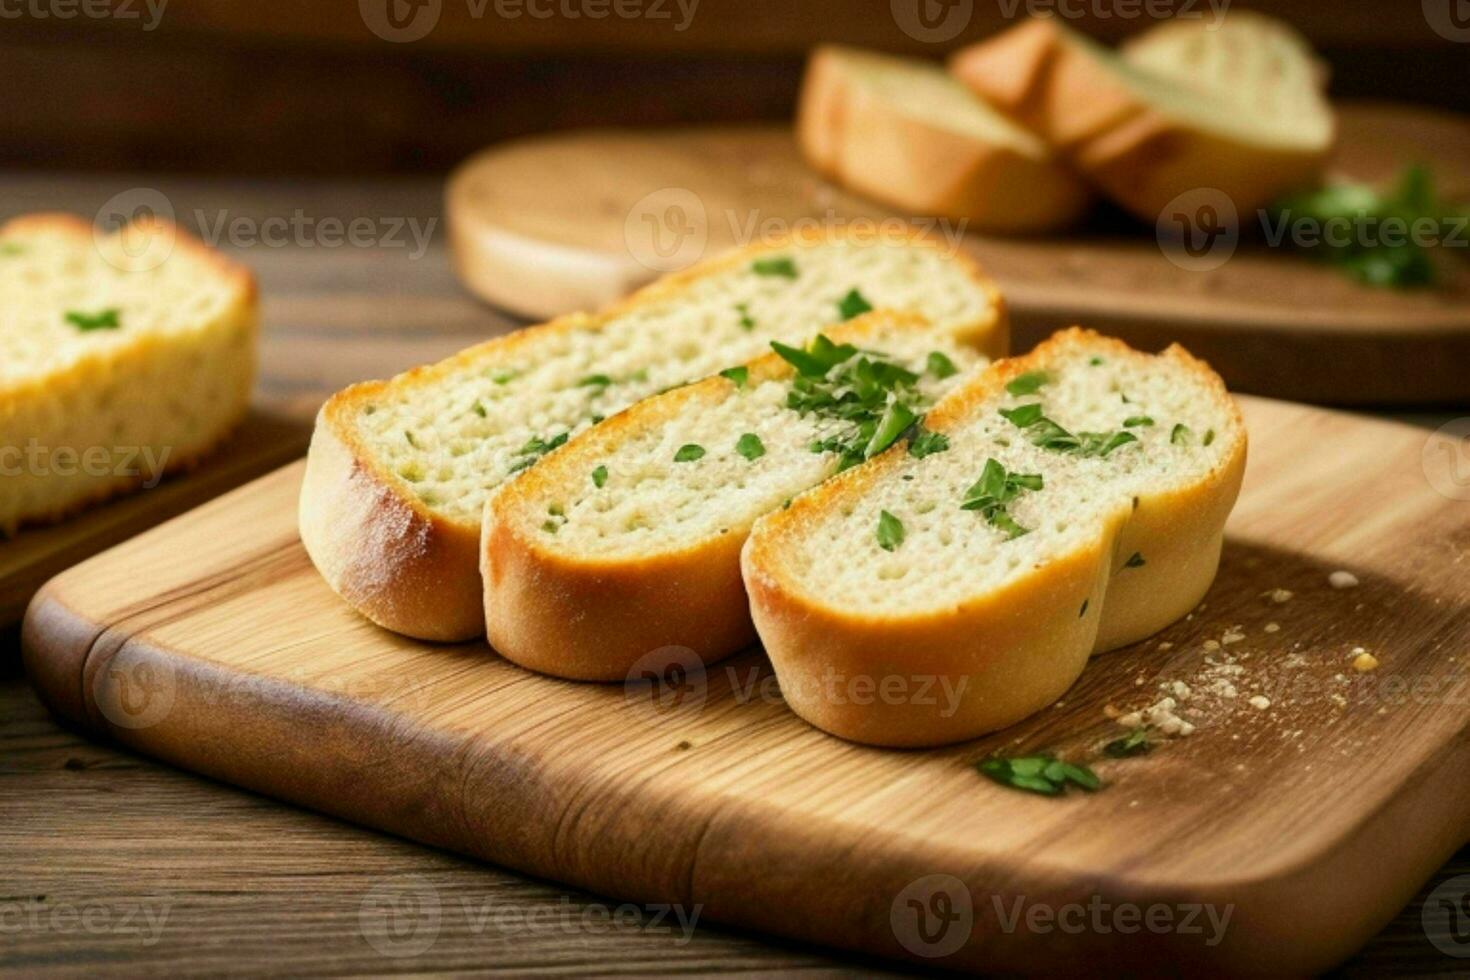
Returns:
point(1079, 507)
point(399, 471)
point(123, 356)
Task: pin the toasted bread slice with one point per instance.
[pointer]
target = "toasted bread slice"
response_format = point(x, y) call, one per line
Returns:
point(122, 356)
point(1247, 127)
point(992, 571)
point(627, 540)
point(399, 471)
point(905, 133)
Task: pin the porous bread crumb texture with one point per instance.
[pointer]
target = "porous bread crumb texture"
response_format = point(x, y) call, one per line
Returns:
point(453, 436)
point(949, 554)
point(87, 412)
point(650, 502)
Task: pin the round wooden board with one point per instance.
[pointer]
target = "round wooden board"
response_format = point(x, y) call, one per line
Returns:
point(554, 224)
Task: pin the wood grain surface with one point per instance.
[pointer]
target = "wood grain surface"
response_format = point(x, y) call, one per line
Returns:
point(557, 223)
point(237, 662)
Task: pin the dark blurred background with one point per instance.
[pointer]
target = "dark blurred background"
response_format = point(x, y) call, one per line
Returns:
point(260, 87)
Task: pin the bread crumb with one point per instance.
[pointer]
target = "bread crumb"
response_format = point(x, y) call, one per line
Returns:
point(1273, 627)
point(1342, 580)
point(1212, 644)
point(1260, 702)
point(1112, 711)
point(1364, 662)
point(1232, 637)
point(1280, 595)
point(1159, 715)
point(1166, 645)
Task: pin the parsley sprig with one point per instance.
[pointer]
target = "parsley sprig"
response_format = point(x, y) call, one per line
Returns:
point(1047, 434)
point(1044, 774)
point(993, 493)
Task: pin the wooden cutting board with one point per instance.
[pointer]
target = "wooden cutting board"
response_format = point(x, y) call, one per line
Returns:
point(262, 443)
point(211, 643)
point(573, 221)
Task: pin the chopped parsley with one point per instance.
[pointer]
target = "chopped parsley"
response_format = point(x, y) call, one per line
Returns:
point(505, 377)
point(782, 266)
point(750, 446)
point(1028, 383)
point(599, 477)
point(688, 453)
point(1134, 743)
point(102, 320)
point(1181, 435)
point(411, 440)
point(853, 305)
point(535, 448)
point(1042, 774)
point(1136, 421)
point(1209, 437)
point(478, 408)
point(1095, 361)
point(878, 399)
point(890, 531)
point(1045, 433)
point(595, 381)
point(926, 443)
point(1135, 560)
point(747, 322)
point(736, 375)
point(993, 493)
point(940, 365)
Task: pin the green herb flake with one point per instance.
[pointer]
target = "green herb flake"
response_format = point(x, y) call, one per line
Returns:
point(1028, 383)
point(1209, 437)
point(12, 248)
point(1181, 435)
point(478, 408)
point(1083, 611)
point(853, 305)
point(688, 453)
point(411, 440)
point(780, 266)
point(737, 375)
point(102, 320)
point(927, 443)
point(897, 417)
point(595, 381)
point(747, 322)
point(599, 477)
point(1134, 743)
point(1042, 774)
point(505, 377)
point(1095, 361)
point(535, 448)
point(750, 446)
point(940, 365)
point(549, 526)
point(1135, 560)
point(993, 493)
point(890, 531)
point(1137, 421)
point(1045, 433)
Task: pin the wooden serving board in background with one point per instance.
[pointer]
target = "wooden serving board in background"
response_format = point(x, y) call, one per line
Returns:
point(212, 643)
point(262, 443)
point(554, 224)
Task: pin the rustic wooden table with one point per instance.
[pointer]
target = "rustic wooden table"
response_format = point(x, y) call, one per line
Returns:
point(110, 862)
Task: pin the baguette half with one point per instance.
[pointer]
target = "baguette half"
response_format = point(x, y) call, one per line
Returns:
point(1083, 549)
point(399, 471)
point(1144, 135)
point(123, 356)
point(905, 133)
point(616, 545)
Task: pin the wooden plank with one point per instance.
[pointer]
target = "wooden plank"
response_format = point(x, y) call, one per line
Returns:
point(547, 225)
point(1316, 817)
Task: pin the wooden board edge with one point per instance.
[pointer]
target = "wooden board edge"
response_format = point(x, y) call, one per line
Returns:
point(285, 743)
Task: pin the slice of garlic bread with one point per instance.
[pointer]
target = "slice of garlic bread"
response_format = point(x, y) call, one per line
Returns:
point(1244, 128)
point(904, 132)
point(123, 356)
point(399, 471)
point(1080, 506)
point(627, 540)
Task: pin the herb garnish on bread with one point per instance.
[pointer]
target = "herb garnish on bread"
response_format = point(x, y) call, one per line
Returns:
point(628, 539)
point(1080, 507)
point(399, 471)
point(122, 356)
